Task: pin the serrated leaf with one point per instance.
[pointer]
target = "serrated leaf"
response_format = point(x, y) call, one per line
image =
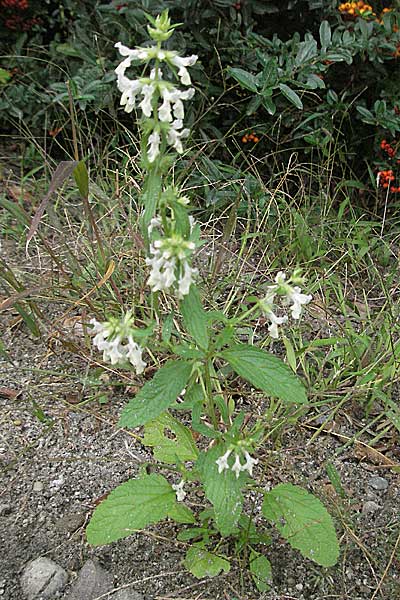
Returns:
point(167, 449)
point(130, 507)
point(222, 489)
point(266, 372)
point(261, 571)
point(291, 95)
point(195, 317)
point(181, 513)
point(303, 521)
point(202, 563)
point(246, 79)
point(157, 394)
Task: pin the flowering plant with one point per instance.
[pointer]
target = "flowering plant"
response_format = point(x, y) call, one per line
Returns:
point(223, 457)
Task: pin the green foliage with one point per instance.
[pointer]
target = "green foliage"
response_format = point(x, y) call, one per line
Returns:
point(202, 563)
point(179, 447)
point(222, 489)
point(303, 521)
point(157, 394)
point(266, 372)
point(261, 571)
point(131, 506)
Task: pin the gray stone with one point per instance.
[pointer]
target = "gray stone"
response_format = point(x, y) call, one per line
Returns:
point(42, 578)
point(70, 522)
point(370, 507)
point(126, 594)
point(92, 581)
point(378, 483)
point(5, 509)
point(38, 486)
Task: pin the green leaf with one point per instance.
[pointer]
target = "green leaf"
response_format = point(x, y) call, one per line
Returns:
point(266, 372)
point(157, 394)
point(304, 521)
point(131, 506)
point(291, 95)
point(181, 218)
point(5, 76)
point(367, 115)
point(181, 513)
point(254, 104)
point(202, 563)
point(151, 193)
point(261, 571)
point(269, 104)
point(325, 34)
point(81, 177)
point(168, 449)
point(246, 79)
point(222, 489)
point(195, 317)
point(167, 328)
point(191, 533)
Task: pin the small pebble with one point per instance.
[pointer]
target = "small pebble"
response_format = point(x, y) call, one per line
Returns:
point(5, 509)
point(370, 507)
point(38, 486)
point(378, 483)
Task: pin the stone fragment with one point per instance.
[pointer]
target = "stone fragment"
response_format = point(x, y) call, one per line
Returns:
point(370, 507)
point(42, 578)
point(70, 522)
point(38, 486)
point(92, 581)
point(5, 509)
point(378, 483)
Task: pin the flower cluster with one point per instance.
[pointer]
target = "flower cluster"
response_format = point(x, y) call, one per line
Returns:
point(292, 297)
point(385, 179)
point(169, 264)
point(161, 100)
point(109, 339)
point(250, 137)
point(386, 147)
point(355, 9)
point(237, 467)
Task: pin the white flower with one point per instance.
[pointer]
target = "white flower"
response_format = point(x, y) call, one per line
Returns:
point(180, 492)
point(275, 321)
point(182, 63)
point(186, 280)
point(133, 54)
point(134, 355)
point(175, 136)
point(145, 105)
point(109, 337)
point(280, 278)
point(237, 467)
point(298, 300)
point(169, 264)
point(222, 461)
point(154, 143)
point(250, 462)
point(164, 112)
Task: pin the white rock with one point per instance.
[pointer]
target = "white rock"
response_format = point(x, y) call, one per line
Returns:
point(42, 578)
